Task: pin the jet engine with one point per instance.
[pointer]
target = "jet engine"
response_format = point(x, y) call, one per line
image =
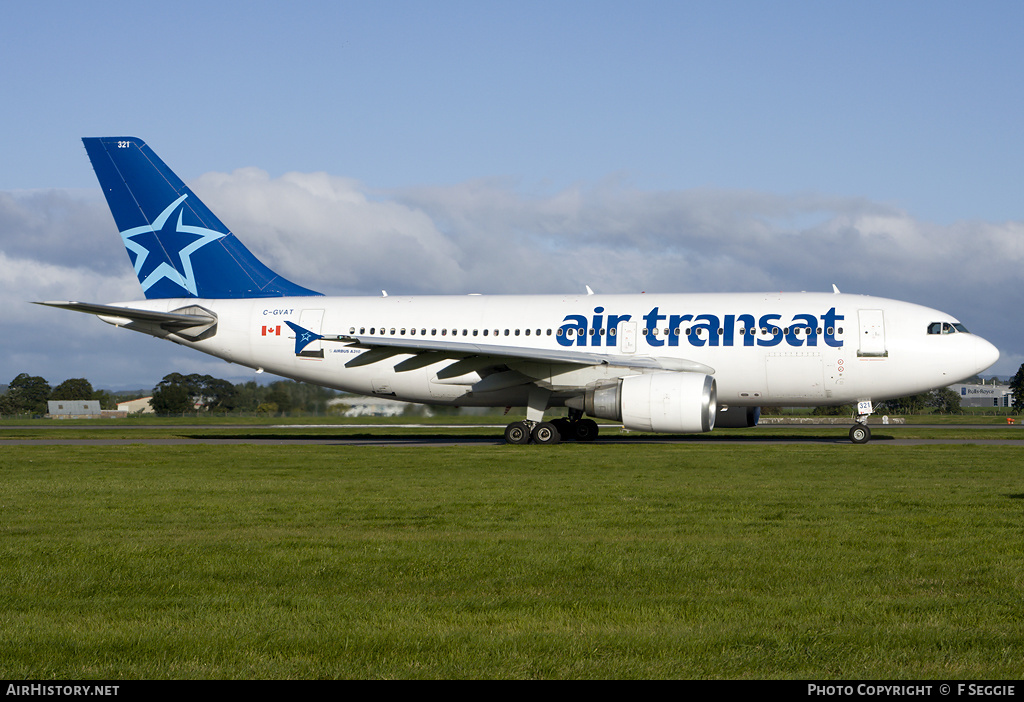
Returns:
point(737, 417)
point(677, 403)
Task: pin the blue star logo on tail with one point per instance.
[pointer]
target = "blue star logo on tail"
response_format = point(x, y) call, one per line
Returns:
point(155, 244)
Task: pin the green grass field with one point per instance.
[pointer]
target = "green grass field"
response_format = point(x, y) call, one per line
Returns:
point(576, 561)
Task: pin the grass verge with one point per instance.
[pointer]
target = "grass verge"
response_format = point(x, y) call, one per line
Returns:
point(602, 561)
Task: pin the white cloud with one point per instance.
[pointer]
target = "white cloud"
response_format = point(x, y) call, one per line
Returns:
point(61, 227)
point(325, 232)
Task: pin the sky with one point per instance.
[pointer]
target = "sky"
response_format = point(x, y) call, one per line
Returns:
point(512, 147)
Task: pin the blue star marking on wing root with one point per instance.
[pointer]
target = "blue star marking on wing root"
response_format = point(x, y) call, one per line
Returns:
point(303, 337)
point(165, 240)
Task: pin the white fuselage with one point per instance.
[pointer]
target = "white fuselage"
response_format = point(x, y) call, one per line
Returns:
point(765, 349)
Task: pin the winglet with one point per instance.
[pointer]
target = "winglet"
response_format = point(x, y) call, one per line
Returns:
point(303, 337)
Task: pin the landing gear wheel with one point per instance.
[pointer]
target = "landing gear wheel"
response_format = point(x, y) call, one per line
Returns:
point(564, 428)
point(586, 430)
point(546, 433)
point(517, 433)
point(860, 434)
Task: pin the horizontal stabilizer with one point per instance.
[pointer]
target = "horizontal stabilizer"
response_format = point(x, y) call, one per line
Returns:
point(193, 322)
point(129, 314)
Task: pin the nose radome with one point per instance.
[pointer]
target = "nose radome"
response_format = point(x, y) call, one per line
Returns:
point(985, 354)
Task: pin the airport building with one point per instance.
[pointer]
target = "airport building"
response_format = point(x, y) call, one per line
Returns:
point(73, 409)
point(360, 406)
point(79, 409)
point(984, 395)
point(142, 405)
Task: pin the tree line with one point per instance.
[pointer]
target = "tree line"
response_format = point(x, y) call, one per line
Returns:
point(179, 394)
point(176, 394)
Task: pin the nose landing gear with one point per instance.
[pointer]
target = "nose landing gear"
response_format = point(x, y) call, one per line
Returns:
point(859, 433)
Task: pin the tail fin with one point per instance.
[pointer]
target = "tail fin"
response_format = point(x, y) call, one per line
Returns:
point(178, 246)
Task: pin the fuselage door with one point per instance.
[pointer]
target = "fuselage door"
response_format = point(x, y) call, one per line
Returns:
point(872, 334)
point(626, 335)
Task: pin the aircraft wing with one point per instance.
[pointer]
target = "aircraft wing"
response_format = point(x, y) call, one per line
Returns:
point(384, 347)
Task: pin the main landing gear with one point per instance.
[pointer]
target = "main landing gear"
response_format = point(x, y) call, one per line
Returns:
point(575, 427)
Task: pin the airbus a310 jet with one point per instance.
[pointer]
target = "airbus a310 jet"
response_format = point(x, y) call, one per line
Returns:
point(679, 363)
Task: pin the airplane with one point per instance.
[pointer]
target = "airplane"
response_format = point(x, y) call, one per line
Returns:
point(675, 363)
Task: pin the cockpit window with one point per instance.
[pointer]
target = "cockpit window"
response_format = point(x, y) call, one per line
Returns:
point(947, 328)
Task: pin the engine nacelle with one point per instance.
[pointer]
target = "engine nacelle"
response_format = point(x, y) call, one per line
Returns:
point(677, 403)
point(737, 417)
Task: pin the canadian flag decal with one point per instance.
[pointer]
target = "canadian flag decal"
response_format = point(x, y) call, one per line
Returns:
point(272, 331)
